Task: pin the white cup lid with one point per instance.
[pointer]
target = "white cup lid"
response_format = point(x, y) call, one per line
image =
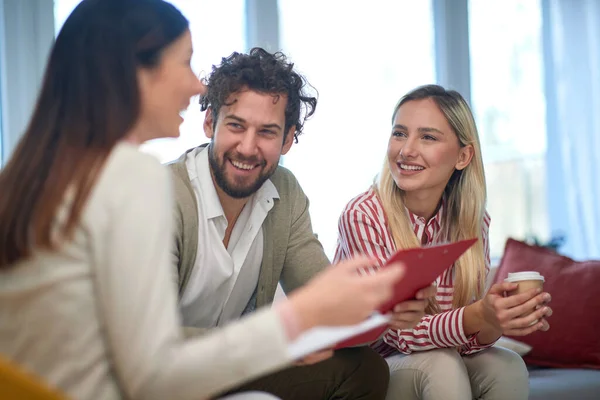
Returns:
point(524, 276)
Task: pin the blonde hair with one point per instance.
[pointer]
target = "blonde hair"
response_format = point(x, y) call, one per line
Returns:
point(465, 196)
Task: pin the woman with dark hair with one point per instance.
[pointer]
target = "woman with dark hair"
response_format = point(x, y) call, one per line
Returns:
point(86, 296)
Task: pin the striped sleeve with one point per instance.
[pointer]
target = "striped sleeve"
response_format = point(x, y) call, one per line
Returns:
point(438, 331)
point(473, 346)
point(361, 232)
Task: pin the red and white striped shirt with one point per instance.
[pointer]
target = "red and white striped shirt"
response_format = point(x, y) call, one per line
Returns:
point(363, 229)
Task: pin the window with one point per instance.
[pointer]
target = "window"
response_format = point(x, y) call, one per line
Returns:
point(509, 106)
point(362, 58)
point(360, 71)
point(62, 10)
point(206, 17)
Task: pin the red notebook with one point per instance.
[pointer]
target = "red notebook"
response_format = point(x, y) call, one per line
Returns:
point(423, 266)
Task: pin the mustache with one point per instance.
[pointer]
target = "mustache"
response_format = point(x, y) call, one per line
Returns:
point(246, 160)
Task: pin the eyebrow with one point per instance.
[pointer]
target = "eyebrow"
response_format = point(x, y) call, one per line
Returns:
point(421, 130)
point(242, 120)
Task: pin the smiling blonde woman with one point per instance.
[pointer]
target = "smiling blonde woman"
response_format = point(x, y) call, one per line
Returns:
point(432, 190)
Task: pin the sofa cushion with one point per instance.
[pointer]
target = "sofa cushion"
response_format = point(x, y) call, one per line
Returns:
point(572, 341)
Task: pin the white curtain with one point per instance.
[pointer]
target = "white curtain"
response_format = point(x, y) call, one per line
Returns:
point(572, 75)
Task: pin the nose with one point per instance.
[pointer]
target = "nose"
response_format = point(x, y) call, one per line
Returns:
point(409, 150)
point(202, 88)
point(247, 145)
point(198, 87)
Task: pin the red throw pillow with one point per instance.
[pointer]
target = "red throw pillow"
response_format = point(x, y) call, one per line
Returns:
point(573, 340)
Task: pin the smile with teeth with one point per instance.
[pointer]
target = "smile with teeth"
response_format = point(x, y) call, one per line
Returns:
point(407, 167)
point(241, 165)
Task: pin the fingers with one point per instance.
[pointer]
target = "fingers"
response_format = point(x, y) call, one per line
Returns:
point(529, 320)
point(500, 288)
point(356, 263)
point(541, 325)
point(545, 326)
point(406, 320)
point(393, 271)
point(408, 314)
point(427, 292)
point(518, 299)
point(531, 304)
point(547, 297)
point(403, 325)
point(524, 331)
point(384, 279)
point(548, 312)
point(411, 305)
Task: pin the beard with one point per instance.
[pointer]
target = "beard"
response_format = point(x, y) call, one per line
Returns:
point(232, 187)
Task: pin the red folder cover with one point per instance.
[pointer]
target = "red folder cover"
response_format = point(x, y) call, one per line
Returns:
point(422, 267)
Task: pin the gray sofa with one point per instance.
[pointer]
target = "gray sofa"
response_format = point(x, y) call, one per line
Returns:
point(564, 384)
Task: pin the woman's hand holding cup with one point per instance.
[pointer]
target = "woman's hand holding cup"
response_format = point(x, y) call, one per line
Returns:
point(518, 306)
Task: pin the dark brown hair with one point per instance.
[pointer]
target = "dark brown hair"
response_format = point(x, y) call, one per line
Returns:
point(89, 100)
point(263, 72)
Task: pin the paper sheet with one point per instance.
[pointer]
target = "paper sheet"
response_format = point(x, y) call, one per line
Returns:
point(323, 337)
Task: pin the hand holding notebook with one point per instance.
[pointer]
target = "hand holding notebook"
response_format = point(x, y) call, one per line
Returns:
point(423, 266)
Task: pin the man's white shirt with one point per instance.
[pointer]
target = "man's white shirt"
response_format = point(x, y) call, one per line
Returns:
point(223, 279)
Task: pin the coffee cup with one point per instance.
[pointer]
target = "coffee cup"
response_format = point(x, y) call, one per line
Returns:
point(527, 280)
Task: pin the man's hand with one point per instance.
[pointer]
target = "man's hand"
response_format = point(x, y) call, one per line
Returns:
point(408, 313)
point(315, 357)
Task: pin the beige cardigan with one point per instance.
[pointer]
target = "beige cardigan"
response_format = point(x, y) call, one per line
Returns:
point(97, 318)
point(291, 254)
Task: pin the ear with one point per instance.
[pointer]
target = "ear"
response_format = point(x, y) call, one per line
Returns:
point(289, 140)
point(145, 78)
point(464, 157)
point(209, 123)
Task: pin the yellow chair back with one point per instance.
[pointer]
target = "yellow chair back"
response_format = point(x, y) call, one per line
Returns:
point(17, 384)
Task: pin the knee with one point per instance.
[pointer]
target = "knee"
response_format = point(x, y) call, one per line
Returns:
point(445, 359)
point(499, 373)
point(445, 373)
point(440, 362)
point(510, 366)
point(432, 374)
point(367, 370)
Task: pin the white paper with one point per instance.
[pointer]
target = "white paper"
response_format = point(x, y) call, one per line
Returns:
point(322, 337)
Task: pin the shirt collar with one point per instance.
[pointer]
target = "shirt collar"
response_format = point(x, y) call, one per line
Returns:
point(433, 226)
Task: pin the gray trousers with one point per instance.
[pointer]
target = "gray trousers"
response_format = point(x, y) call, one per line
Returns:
point(443, 374)
point(351, 374)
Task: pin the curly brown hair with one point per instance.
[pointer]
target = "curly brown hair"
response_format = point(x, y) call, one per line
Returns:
point(262, 72)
